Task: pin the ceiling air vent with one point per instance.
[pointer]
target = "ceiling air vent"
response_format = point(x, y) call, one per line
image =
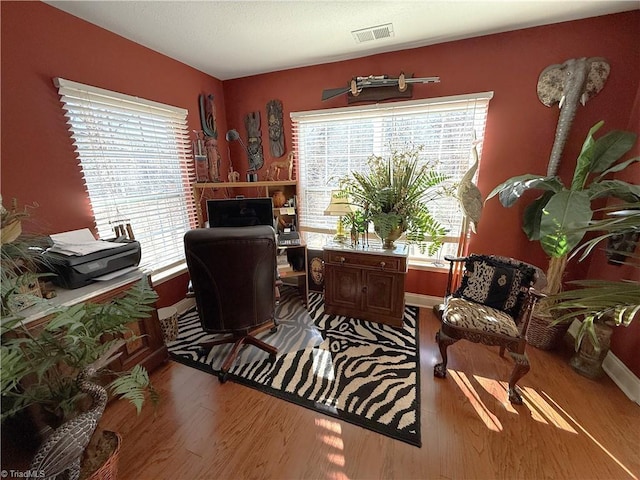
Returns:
point(373, 33)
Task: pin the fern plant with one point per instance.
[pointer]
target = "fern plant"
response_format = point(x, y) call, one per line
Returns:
point(394, 195)
point(40, 369)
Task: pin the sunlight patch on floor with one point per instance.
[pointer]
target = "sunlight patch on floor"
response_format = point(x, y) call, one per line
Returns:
point(536, 402)
point(489, 419)
point(602, 447)
point(541, 411)
point(331, 436)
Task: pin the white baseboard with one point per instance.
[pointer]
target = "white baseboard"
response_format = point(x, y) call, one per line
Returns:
point(184, 305)
point(418, 300)
point(622, 376)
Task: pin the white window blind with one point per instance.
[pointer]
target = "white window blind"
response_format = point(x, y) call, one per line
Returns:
point(135, 156)
point(331, 143)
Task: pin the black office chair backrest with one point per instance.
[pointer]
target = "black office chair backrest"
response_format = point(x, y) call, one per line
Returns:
point(233, 273)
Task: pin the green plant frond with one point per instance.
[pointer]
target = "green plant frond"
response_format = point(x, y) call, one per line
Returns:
point(132, 386)
point(615, 188)
point(512, 189)
point(609, 148)
point(618, 167)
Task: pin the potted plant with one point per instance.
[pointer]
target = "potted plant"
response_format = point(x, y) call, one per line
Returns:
point(557, 218)
point(600, 305)
point(41, 368)
point(394, 195)
point(20, 261)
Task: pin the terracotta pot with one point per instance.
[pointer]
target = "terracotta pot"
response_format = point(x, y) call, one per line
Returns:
point(278, 198)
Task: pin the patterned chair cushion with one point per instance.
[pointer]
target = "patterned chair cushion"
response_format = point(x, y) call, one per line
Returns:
point(462, 313)
point(497, 282)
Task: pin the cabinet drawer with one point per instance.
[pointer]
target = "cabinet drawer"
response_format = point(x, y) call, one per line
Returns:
point(378, 262)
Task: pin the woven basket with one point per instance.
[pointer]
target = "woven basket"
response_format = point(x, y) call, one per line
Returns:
point(541, 334)
point(109, 469)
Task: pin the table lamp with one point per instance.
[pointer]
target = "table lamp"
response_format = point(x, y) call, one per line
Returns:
point(339, 206)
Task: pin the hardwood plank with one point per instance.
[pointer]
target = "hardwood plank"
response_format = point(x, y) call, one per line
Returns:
point(569, 427)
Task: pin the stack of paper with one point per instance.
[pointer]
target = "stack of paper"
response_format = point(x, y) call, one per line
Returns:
point(79, 242)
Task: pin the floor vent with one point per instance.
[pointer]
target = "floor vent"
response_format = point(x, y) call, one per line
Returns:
point(373, 33)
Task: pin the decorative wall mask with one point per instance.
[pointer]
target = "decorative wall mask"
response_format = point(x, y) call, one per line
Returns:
point(254, 141)
point(276, 134)
point(576, 80)
point(208, 116)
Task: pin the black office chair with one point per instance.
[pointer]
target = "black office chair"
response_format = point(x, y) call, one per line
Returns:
point(233, 274)
point(492, 305)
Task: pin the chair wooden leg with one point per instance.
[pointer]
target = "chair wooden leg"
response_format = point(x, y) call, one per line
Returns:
point(520, 369)
point(440, 369)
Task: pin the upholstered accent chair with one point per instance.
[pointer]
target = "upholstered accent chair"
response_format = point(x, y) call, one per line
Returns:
point(233, 274)
point(492, 305)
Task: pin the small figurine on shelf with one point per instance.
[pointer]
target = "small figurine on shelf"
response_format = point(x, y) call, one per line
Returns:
point(273, 173)
point(233, 175)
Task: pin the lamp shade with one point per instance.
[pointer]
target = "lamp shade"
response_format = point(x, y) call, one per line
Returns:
point(339, 205)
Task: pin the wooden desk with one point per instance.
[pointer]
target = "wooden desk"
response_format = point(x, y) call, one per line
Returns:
point(365, 283)
point(149, 351)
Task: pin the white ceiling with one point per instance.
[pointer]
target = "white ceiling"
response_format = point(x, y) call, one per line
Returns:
point(233, 39)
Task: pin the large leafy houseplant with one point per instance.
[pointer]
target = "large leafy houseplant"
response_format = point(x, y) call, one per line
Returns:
point(604, 302)
point(40, 367)
point(557, 217)
point(394, 195)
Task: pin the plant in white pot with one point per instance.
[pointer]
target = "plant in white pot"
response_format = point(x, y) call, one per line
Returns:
point(55, 374)
point(557, 217)
point(601, 305)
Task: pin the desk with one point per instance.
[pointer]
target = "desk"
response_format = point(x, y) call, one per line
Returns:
point(365, 282)
point(149, 351)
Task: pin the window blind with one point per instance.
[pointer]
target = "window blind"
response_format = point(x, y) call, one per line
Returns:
point(135, 156)
point(331, 143)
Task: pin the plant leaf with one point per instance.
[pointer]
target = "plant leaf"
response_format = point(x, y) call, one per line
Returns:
point(511, 190)
point(610, 148)
point(615, 188)
point(533, 215)
point(561, 214)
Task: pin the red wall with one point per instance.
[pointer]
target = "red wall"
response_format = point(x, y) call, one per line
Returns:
point(520, 130)
point(40, 42)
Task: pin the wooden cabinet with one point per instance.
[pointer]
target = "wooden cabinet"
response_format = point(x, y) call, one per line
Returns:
point(366, 284)
point(149, 350)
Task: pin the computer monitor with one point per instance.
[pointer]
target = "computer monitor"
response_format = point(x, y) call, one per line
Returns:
point(240, 212)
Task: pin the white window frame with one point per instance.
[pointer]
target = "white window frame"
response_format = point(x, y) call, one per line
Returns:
point(325, 153)
point(137, 164)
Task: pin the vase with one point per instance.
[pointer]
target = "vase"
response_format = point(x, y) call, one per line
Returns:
point(392, 236)
point(278, 198)
point(587, 361)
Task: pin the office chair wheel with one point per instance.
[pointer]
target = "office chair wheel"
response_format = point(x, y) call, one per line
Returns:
point(222, 376)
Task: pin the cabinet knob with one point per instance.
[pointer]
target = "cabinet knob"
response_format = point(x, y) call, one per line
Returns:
point(382, 264)
point(342, 259)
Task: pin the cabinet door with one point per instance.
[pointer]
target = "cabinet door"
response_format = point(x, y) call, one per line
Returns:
point(382, 293)
point(343, 287)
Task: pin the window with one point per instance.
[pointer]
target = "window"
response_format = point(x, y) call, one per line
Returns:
point(136, 161)
point(331, 143)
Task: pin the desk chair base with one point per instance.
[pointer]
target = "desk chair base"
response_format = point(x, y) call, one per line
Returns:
point(240, 340)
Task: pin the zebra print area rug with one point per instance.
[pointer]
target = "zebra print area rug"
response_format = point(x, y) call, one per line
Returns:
point(362, 372)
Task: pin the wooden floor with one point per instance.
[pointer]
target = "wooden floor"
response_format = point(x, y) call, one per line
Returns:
point(570, 428)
